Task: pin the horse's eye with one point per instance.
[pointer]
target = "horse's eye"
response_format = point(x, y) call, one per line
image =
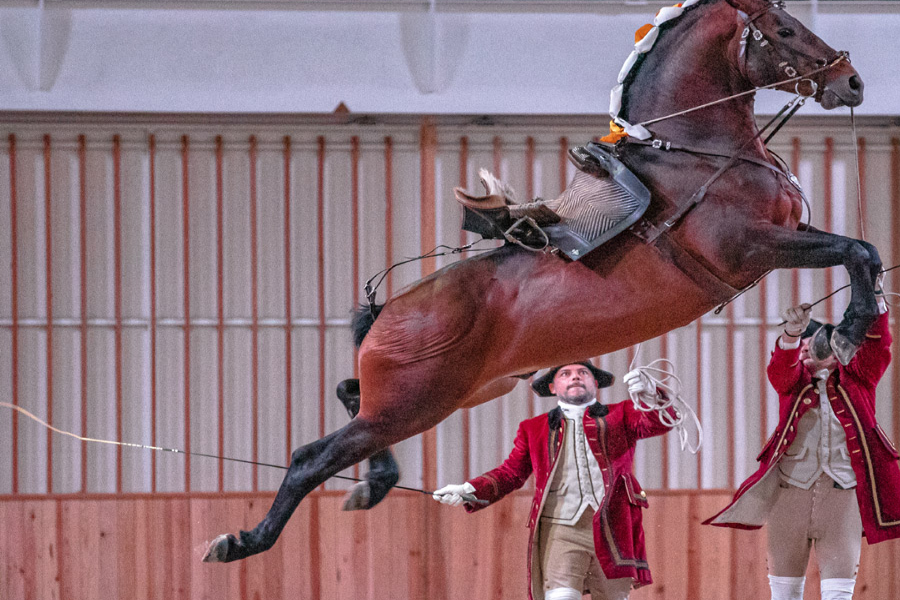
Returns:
point(785, 32)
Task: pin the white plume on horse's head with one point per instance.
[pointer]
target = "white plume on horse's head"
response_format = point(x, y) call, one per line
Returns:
point(495, 187)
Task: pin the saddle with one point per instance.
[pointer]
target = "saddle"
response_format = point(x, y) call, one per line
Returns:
point(602, 200)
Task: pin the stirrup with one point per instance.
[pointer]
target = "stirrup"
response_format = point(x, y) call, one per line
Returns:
point(508, 234)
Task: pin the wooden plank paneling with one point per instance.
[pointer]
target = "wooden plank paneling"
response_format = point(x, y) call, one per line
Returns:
point(145, 548)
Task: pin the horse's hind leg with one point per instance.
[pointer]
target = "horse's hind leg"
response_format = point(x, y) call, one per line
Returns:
point(383, 471)
point(310, 466)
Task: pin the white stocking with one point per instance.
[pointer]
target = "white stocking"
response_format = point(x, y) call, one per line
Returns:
point(837, 589)
point(787, 588)
point(562, 594)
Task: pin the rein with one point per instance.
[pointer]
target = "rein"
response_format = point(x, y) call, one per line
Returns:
point(382, 274)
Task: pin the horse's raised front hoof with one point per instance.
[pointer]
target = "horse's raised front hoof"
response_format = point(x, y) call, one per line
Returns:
point(820, 344)
point(358, 497)
point(218, 549)
point(843, 348)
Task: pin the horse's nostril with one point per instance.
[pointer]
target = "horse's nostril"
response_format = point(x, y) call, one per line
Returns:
point(855, 83)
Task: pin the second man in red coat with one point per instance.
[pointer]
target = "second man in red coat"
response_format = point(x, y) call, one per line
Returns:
point(585, 520)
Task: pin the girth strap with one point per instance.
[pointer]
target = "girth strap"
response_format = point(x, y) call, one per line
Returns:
point(686, 263)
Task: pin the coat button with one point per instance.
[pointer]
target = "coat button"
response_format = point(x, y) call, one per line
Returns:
point(807, 401)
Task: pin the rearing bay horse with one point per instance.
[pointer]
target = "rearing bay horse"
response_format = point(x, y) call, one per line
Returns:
point(455, 338)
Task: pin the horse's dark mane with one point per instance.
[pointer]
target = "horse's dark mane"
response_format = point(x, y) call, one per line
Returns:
point(663, 28)
point(362, 320)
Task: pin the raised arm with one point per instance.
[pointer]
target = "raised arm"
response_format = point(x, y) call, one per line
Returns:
point(642, 424)
point(784, 368)
point(874, 355)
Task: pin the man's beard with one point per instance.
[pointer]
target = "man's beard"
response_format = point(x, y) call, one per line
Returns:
point(582, 397)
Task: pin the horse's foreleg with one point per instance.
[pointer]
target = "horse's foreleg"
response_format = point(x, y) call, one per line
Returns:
point(310, 466)
point(778, 248)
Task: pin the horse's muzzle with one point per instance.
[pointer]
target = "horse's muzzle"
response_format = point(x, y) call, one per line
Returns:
point(843, 90)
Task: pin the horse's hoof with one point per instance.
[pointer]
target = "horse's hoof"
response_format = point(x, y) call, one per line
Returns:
point(348, 394)
point(358, 497)
point(820, 345)
point(218, 550)
point(843, 348)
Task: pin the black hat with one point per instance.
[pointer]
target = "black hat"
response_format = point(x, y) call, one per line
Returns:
point(541, 385)
point(811, 329)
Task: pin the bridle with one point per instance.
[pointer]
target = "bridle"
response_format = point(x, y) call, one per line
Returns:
point(753, 33)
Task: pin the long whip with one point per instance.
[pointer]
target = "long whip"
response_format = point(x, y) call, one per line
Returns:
point(186, 453)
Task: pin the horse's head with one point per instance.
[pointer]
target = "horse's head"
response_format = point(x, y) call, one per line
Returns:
point(777, 47)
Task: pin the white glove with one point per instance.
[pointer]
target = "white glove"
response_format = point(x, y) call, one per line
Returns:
point(639, 384)
point(450, 494)
point(797, 318)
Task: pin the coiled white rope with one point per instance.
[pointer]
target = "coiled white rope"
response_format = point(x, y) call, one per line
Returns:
point(661, 373)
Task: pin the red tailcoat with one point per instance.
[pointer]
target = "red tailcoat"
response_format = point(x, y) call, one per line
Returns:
point(851, 390)
point(612, 432)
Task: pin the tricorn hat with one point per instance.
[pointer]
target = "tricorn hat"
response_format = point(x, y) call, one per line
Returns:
point(541, 385)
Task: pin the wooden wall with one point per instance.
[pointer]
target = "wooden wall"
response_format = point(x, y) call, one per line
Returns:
point(146, 547)
point(185, 281)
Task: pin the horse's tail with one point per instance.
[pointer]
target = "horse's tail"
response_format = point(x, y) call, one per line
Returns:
point(361, 322)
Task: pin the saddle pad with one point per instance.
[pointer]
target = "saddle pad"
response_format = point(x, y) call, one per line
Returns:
point(591, 206)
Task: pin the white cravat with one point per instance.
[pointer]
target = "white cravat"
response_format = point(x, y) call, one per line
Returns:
point(577, 481)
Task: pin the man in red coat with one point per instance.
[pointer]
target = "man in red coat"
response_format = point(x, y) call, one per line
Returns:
point(585, 520)
point(829, 473)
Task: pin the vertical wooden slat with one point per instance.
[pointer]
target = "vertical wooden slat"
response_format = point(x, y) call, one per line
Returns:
point(563, 163)
point(320, 241)
point(354, 243)
point(288, 303)
point(220, 312)
point(729, 393)
point(497, 154)
point(762, 349)
point(863, 190)
point(463, 240)
point(117, 275)
point(389, 212)
point(48, 269)
point(699, 363)
point(795, 274)
point(895, 252)
point(153, 388)
point(83, 325)
point(61, 557)
point(427, 219)
point(254, 319)
point(529, 196)
point(14, 309)
point(827, 212)
point(186, 256)
point(666, 484)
